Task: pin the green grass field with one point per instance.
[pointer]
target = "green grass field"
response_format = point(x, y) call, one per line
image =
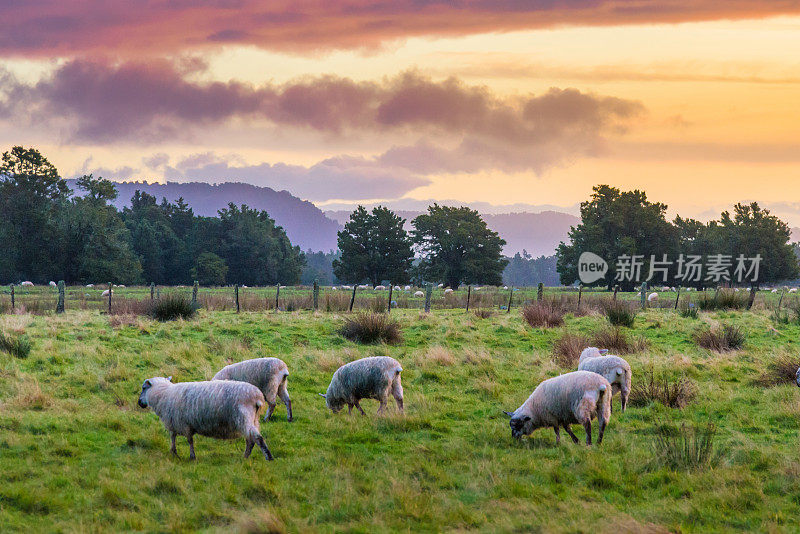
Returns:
point(78, 455)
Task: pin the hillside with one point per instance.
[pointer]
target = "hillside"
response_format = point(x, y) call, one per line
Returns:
point(305, 224)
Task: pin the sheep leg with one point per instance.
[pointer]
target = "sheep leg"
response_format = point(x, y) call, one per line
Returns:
point(624, 397)
point(349, 409)
point(382, 407)
point(571, 433)
point(190, 439)
point(283, 393)
point(558, 435)
point(264, 448)
point(173, 449)
point(269, 411)
point(249, 447)
point(360, 409)
point(602, 424)
point(397, 393)
point(588, 427)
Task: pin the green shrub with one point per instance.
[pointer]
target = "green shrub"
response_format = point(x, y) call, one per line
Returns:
point(684, 447)
point(543, 314)
point(619, 313)
point(780, 371)
point(369, 328)
point(724, 299)
point(721, 339)
point(173, 306)
point(18, 346)
point(616, 340)
point(688, 310)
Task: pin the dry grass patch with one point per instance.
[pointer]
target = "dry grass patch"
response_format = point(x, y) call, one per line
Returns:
point(437, 355)
point(567, 349)
point(723, 338)
point(483, 313)
point(617, 341)
point(650, 386)
point(370, 328)
point(543, 314)
point(30, 396)
point(780, 371)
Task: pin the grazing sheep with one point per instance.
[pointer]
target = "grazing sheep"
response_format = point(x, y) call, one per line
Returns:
point(363, 286)
point(774, 291)
point(380, 288)
point(267, 374)
point(368, 378)
point(89, 285)
point(397, 288)
point(793, 290)
point(407, 288)
point(614, 369)
point(419, 294)
point(27, 283)
point(505, 287)
point(106, 292)
point(53, 284)
point(572, 398)
point(221, 409)
point(347, 287)
point(652, 297)
point(448, 291)
point(591, 352)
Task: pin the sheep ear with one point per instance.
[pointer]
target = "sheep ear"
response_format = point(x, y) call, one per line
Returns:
point(323, 395)
point(510, 414)
point(169, 379)
point(603, 351)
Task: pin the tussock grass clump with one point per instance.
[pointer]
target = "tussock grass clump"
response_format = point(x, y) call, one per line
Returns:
point(619, 313)
point(688, 310)
point(438, 355)
point(172, 307)
point(684, 447)
point(567, 349)
point(721, 339)
point(369, 328)
point(724, 299)
point(617, 341)
point(17, 346)
point(483, 313)
point(780, 371)
point(658, 387)
point(543, 314)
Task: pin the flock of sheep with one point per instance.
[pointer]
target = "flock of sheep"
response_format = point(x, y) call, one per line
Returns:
point(227, 406)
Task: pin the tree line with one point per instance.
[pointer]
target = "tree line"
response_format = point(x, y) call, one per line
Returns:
point(49, 233)
point(620, 224)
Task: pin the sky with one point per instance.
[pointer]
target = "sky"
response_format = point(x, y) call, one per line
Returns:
point(505, 102)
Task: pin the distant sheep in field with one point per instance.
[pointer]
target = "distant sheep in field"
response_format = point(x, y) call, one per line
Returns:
point(368, 378)
point(267, 374)
point(363, 286)
point(380, 288)
point(27, 283)
point(107, 292)
point(221, 409)
point(652, 297)
point(419, 294)
point(448, 291)
point(440, 286)
point(568, 399)
point(407, 288)
point(793, 290)
point(53, 284)
point(89, 285)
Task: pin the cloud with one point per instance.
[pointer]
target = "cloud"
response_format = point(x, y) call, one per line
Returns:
point(449, 126)
point(52, 27)
point(342, 177)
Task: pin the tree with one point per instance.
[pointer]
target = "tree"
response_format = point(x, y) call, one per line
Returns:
point(616, 223)
point(375, 247)
point(210, 270)
point(456, 247)
point(31, 195)
point(525, 270)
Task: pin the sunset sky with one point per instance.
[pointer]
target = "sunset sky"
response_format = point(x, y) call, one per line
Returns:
point(696, 102)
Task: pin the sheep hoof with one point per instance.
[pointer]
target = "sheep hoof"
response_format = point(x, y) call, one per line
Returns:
point(290, 420)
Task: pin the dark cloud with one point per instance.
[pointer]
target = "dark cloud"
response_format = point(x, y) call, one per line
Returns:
point(155, 27)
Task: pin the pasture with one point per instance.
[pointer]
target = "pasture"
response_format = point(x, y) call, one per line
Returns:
point(78, 455)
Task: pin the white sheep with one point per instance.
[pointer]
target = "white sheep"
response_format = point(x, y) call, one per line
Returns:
point(380, 288)
point(774, 291)
point(614, 369)
point(267, 374)
point(419, 294)
point(793, 290)
point(368, 378)
point(106, 292)
point(407, 288)
point(53, 284)
point(27, 283)
point(448, 291)
point(568, 399)
point(397, 288)
point(363, 286)
point(652, 297)
point(440, 286)
point(347, 287)
point(221, 409)
point(89, 285)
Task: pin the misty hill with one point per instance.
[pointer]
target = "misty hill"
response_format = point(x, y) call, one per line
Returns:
point(538, 233)
point(305, 224)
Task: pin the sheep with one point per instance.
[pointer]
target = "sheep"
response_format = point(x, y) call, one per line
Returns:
point(571, 398)
point(363, 286)
point(267, 374)
point(368, 378)
point(89, 285)
point(27, 283)
point(53, 284)
point(448, 291)
point(380, 288)
point(591, 352)
point(614, 369)
point(419, 294)
point(397, 288)
point(106, 292)
point(774, 291)
point(797, 378)
point(407, 288)
point(652, 297)
point(221, 409)
point(793, 290)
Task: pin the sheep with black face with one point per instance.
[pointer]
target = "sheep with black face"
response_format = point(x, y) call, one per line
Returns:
point(368, 378)
point(221, 409)
point(571, 398)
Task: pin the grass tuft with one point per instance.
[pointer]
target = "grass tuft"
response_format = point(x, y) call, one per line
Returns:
point(369, 328)
point(619, 313)
point(567, 349)
point(721, 339)
point(617, 341)
point(483, 313)
point(684, 447)
point(17, 346)
point(779, 372)
point(652, 387)
point(543, 314)
point(172, 307)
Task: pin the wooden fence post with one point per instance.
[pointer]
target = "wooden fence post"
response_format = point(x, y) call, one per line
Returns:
point(194, 295)
point(428, 293)
point(277, 295)
point(389, 306)
point(13, 301)
point(616, 288)
point(110, 292)
point(316, 294)
point(353, 298)
point(677, 297)
point(643, 296)
point(752, 296)
point(152, 290)
point(540, 291)
point(158, 293)
point(580, 294)
point(469, 294)
point(236, 296)
point(60, 304)
point(716, 294)
point(510, 296)
point(779, 300)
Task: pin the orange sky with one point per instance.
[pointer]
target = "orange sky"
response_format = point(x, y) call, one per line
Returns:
point(700, 114)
